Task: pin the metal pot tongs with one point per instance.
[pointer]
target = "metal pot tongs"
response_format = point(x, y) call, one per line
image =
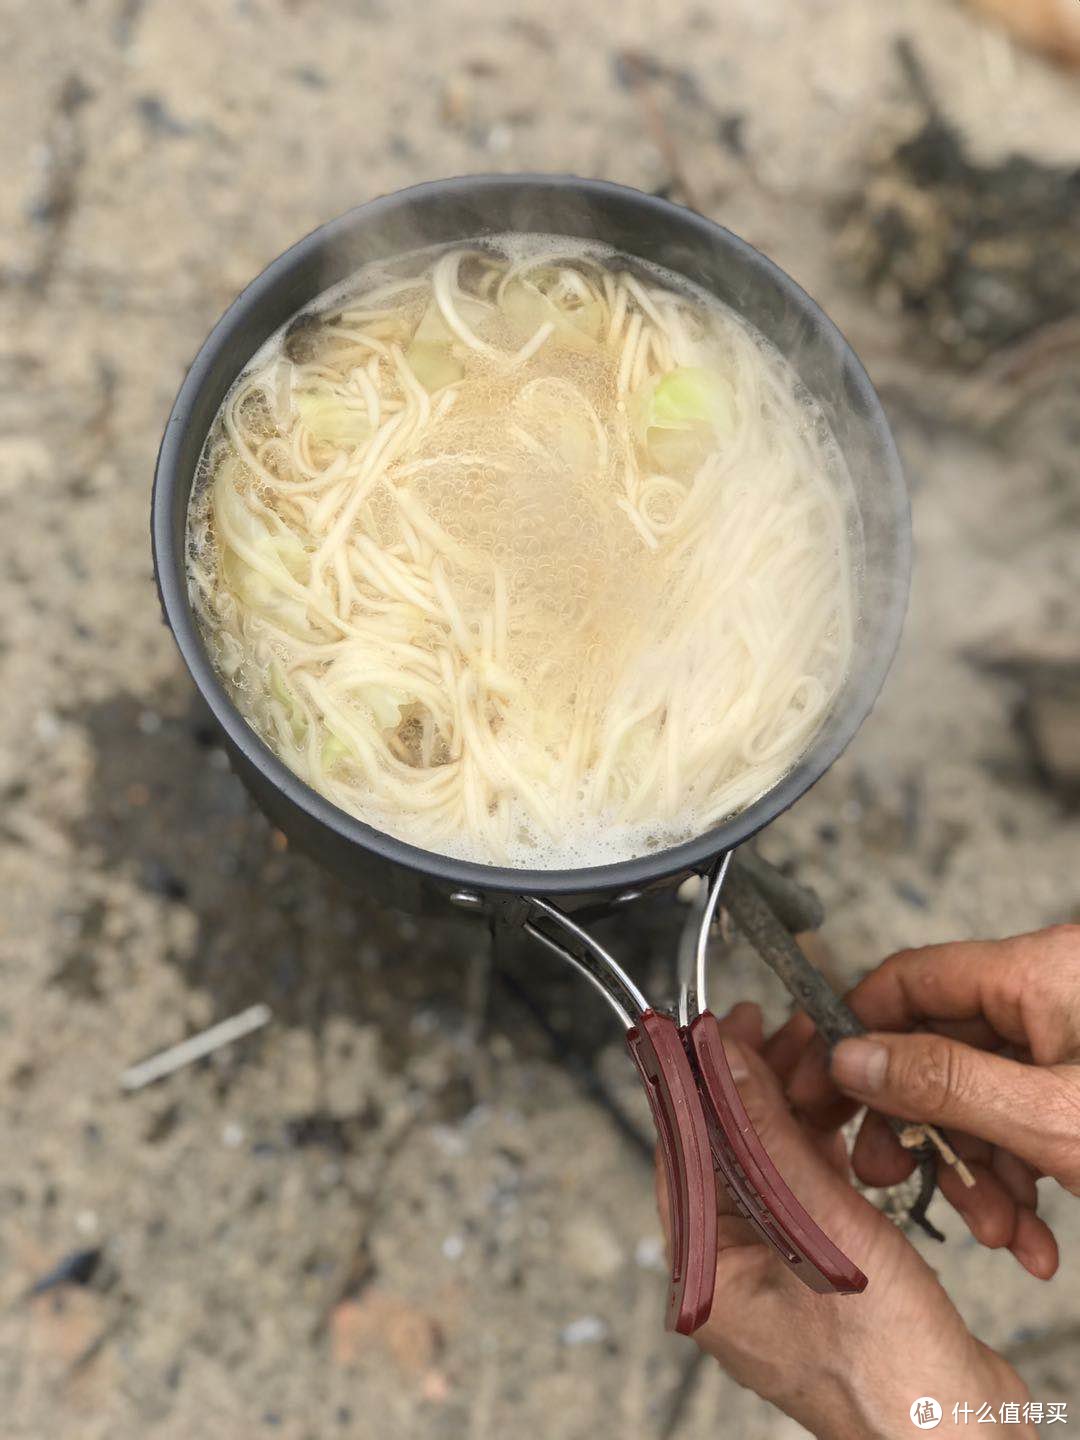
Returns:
point(704, 1131)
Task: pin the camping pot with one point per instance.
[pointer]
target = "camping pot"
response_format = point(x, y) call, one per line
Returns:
point(454, 211)
point(706, 1138)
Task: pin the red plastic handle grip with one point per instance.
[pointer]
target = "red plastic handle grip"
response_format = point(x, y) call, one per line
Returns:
point(758, 1188)
point(657, 1047)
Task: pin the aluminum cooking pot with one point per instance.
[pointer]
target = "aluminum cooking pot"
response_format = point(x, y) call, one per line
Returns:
point(452, 211)
point(705, 1135)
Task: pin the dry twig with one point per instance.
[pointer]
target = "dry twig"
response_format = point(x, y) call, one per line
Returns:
point(835, 1021)
point(640, 81)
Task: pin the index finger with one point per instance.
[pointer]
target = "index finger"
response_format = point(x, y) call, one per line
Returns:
point(1009, 983)
point(966, 980)
point(1025, 990)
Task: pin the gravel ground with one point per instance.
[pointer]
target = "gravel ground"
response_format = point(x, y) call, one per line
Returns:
point(399, 1209)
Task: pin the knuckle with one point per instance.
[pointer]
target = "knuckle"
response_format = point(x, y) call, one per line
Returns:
point(1067, 950)
point(1057, 945)
point(1067, 936)
point(995, 1227)
point(1064, 1122)
point(931, 1076)
point(933, 991)
point(898, 960)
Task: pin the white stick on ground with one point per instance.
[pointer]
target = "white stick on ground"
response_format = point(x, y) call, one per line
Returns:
point(195, 1047)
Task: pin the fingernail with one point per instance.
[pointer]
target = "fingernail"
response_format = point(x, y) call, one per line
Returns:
point(860, 1065)
point(1031, 1263)
point(736, 1063)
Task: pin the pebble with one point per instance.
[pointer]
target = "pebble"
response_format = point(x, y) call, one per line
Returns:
point(46, 725)
point(591, 1248)
point(450, 1143)
point(649, 1253)
point(24, 460)
point(232, 1136)
point(585, 1330)
point(435, 1387)
point(453, 1247)
point(86, 1222)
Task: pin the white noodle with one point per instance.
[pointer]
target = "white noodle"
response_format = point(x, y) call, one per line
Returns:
point(479, 612)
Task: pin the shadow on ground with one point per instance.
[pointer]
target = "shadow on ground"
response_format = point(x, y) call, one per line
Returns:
point(165, 809)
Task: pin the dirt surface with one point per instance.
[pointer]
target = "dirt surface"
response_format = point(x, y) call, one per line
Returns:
point(401, 1208)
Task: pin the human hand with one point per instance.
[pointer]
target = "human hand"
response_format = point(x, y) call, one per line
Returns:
point(999, 1066)
point(842, 1365)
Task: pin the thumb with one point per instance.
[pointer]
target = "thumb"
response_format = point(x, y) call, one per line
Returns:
point(928, 1077)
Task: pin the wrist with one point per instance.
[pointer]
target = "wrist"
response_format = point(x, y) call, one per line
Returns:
point(879, 1397)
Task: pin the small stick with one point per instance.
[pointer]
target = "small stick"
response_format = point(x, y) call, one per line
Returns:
point(835, 1021)
point(914, 1137)
point(637, 74)
point(796, 906)
point(808, 987)
point(165, 1062)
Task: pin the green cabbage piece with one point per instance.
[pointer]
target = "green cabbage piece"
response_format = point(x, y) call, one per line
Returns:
point(295, 714)
point(691, 393)
point(679, 417)
point(329, 419)
point(384, 703)
point(433, 351)
point(527, 308)
point(332, 751)
point(433, 364)
point(287, 563)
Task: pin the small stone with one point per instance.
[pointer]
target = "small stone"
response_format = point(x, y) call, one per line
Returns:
point(149, 722)
point(649, 1253)
point(24, 460)
point(86, 1222)
point(453, 1247)
point(591, 1248)
point(435, 1388)
point(232, 1136)
point(384, 1325)
point(455, 101)
point(449, 1142)
point(46, 725)
point(585, 1330)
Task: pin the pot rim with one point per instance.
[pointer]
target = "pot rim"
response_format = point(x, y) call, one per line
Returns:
point(644, 870)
